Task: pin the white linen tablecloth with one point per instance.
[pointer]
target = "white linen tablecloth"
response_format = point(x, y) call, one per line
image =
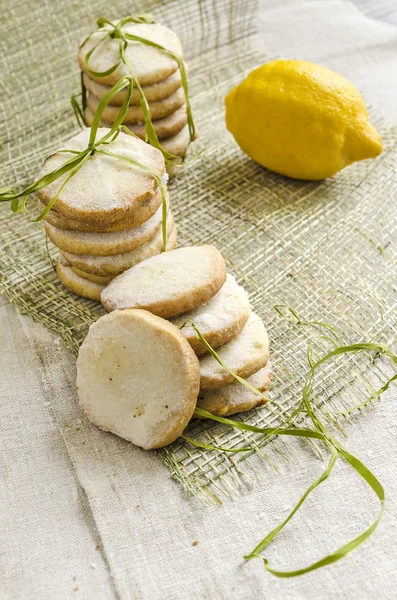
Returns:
point(85, 515)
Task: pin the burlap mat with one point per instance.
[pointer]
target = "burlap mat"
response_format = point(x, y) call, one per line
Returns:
point(326, 250)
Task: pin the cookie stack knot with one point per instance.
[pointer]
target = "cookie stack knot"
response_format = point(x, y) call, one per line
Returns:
point(151, 55)
point(112, 213)
point(173, 296)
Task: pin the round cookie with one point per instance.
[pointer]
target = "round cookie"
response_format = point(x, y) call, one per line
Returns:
point(105, 244)
point(219, 320)
point(149, 64)
point(177, 145)
point(117, 263)
point(235, 397)
point(153, 93)
point(245, 354)
point(105, 188)
point(169, 284)
point(75, 283)
point(137, 377)
point(173, 166)
point(90, 276)
point(136, 217)
point(135, 114)
point(165, 127)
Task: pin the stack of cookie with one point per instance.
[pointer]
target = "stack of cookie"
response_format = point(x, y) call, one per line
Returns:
point(141, 376)
point(108, 216)
point(190, 286)
point(157, 73)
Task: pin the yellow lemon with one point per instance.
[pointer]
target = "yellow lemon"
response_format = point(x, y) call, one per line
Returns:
point(301, 120)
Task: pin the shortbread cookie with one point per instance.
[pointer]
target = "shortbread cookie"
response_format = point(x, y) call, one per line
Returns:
point(105, 188)
point(75, 283)
point(169, 284)
point(149, 64)
point(173, 166)
point(137, 377)
point(244, 355)
point(134, 218)
point(177, 145)
point(90, 276)
point(135, 114)
point(165, 127)
point(105, 244)
point(117, 263)
point(219, 320)
point(235, 397)
point(153, 93)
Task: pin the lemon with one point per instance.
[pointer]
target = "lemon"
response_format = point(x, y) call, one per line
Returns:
point(301, 120)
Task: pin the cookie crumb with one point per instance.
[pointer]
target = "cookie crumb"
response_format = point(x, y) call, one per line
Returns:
point(195, 543)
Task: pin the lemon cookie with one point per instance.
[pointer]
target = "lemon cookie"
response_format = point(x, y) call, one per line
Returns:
point(137, 377)
point(245, 354)
point(177, 145)
point(105, 244)
point(105, 188)
point(117, 263)
point(135, 114)
point(169, 284)
point(134, 218)
point(165, 127)
point(75, 283)
point(104, 280)
point(236, 398)
point(153, 93)
point(219, 320)
point(149, 64)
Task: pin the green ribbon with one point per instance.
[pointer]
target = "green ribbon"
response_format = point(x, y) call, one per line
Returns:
point(319, 432)
point(116, 32)
point(71, 166)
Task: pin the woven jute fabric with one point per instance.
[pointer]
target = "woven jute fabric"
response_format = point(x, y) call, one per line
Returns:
point(326, 250)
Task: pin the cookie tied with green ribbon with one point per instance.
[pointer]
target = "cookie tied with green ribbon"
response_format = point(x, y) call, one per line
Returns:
point(150, 64)
point(150, 55)
point(105, 188)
